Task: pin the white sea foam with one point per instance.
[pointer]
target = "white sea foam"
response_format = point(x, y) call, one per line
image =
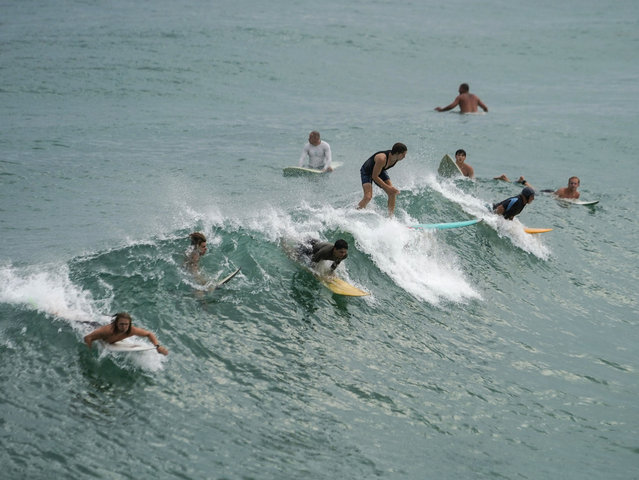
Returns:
point(49, 290)
point(514, 230)
point(415, 261)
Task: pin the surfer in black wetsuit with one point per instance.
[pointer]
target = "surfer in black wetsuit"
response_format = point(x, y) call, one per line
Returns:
point(374, 170)
point(513, 206)
point(317, 251)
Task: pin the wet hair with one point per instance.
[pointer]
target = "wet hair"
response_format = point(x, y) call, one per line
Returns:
point(460, 151)
point(314, 133)
point(575, 178)
point(528, 192)
point(339, 244)
point(197, 238)
point(464, 87)
point(399, 148)
point(117, 317)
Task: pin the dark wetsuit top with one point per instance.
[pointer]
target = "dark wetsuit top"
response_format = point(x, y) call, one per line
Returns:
point(319, 251)
point(512, 206)
point(367, 168)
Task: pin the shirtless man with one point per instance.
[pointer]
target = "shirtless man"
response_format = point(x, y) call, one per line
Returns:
point(120, 328)
point(198, 248)
point(318, 153)
point(374, 170)
point(467, 101)
point(571, 190)
point(460, 159)
point(564, 192)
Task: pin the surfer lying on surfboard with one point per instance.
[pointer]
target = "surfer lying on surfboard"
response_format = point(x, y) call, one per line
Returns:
point(315, 251)
point(120, 328)
point(513, 206)
point(569, 192)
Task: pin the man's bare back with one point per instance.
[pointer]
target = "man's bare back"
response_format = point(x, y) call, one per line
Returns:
point(468, 102)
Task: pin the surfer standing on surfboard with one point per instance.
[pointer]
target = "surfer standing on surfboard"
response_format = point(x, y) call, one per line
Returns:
point(120, 328)
point(318, 251)
point(513, 206)
point(460, 160)
point(467, 101)
point(374, 170)
point(318, 153)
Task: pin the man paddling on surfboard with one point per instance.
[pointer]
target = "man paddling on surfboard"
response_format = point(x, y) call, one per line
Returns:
point(318, 251)
point(513, 206)
point(318, 153)
point(120, 328)
point(569, 192)
point(374, 170)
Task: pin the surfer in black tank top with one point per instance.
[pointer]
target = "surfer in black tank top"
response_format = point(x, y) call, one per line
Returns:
point(374, 170)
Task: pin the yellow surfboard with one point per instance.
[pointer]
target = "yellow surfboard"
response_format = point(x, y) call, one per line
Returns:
point(342, 287)
point(537, 230)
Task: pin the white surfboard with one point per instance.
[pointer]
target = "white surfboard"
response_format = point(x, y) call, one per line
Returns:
point(123, 346)
point(227, 278)
point(308, 172)
point(448, 167)
point(578, 202)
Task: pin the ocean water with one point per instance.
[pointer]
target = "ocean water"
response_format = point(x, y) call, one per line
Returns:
point(482, 352)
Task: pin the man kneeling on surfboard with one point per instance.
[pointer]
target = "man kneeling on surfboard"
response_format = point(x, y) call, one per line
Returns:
point(120, 328)
point(318, 251)
point(513, 206)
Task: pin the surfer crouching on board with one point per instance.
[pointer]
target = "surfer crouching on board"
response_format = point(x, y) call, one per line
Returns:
point(374, 170)
point(513, 206)
point(120, 328)
point(318, 153)
point(318, 251)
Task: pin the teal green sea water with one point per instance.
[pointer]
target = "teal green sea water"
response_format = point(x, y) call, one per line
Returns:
point(482, 352)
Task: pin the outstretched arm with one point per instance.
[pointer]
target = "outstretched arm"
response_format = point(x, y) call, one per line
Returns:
point(140, 332)
point(481, 104)
point(449, 107)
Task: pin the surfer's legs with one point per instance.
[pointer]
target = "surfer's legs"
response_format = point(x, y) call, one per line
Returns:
point(368, 195)
point(391, 203)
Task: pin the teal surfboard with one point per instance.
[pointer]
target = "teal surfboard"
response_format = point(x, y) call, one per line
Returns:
point(444, 226)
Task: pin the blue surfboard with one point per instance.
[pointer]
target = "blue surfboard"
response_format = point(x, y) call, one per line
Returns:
point(443, 226)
